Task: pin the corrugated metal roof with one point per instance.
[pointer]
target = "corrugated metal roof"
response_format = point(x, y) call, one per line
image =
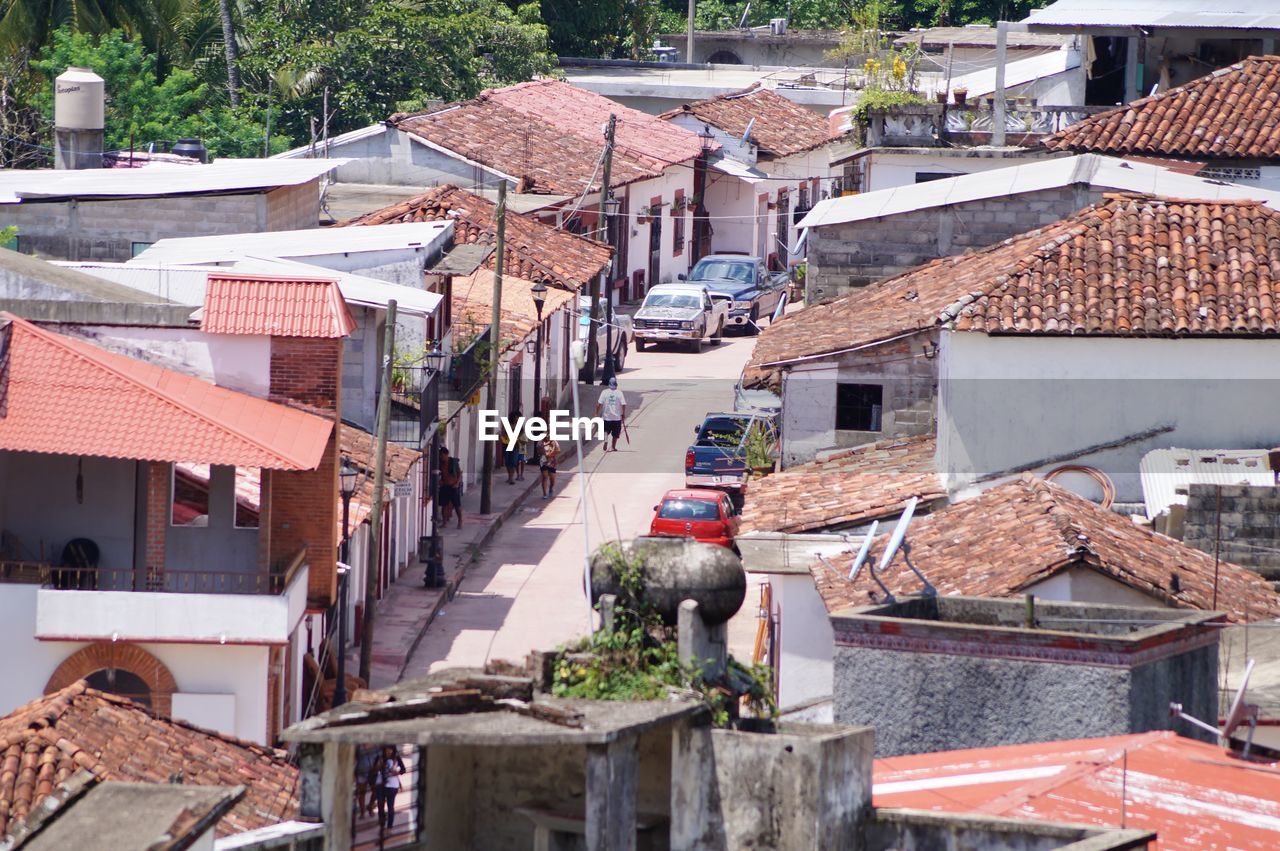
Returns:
point(277, 307)
point(1167, 473)
point(224, 175)
point(69, 397)
point(739, 169)
point(295, 244)
point(186, 284)
point(1194, 795)
point(1229, 14)
point(1093, 169)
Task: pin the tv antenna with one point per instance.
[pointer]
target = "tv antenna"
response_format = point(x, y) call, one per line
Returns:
point(1241, 713)
point(898, 541)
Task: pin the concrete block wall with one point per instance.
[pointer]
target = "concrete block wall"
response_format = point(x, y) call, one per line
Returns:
point(1246, 529)
point(846, 256)
point(293, 207)
point(106, 229)
point(905, 369)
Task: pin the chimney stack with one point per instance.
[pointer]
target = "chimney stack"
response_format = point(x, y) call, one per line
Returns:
point(78, 96)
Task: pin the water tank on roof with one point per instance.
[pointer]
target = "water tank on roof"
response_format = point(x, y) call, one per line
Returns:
point(78, 96)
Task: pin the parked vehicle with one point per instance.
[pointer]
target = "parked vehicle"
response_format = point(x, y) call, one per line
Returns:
point(622, 335)
point(755, 292)
point(719, 457)
point(687, 312)
point(704, 515)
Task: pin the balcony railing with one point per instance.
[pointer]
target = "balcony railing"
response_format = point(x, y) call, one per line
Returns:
point(415, 405)
point(468, 369)
point(161, 581)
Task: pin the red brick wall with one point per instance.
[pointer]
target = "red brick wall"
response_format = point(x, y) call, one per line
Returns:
point(159, 478)
point(123, 657)
point(303, 504)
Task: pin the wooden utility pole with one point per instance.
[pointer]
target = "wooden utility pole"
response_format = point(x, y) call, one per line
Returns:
point(379, 484)
point(495, 344)
point(593, 347)
point(688, 49)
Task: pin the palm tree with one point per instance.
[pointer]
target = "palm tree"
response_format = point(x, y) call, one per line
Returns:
point(229, 45)
point(27, 25)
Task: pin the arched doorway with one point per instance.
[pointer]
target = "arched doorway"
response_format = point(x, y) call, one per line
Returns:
point(724, 57)
point(118, 668)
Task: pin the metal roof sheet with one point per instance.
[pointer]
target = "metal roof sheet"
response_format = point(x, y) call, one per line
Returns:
point(1093, 169)
point(224, 175)
point(235, 303)
point(1167, 473)
point(737, 168)
point(69, 397)
point(1229, 14)
point(186, 284)
point(1194, 795)
point(295, 244)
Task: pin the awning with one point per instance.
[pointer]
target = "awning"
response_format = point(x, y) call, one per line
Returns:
point(739, 169)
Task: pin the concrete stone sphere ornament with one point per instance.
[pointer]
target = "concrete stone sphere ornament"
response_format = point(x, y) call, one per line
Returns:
point(675, 570)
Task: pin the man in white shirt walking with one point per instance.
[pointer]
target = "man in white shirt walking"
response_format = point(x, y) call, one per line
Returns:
point(612, 407)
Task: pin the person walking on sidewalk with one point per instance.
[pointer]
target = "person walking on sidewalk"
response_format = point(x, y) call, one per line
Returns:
point(390, 767)
point(550, 452)
point(450, 487)
point(612, 406)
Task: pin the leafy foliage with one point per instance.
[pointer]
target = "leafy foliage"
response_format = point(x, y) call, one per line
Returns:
point(142, 108)
point(638, 659)
point(381, 56)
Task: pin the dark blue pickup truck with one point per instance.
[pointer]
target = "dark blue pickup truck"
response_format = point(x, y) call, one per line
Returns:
point(718, 457)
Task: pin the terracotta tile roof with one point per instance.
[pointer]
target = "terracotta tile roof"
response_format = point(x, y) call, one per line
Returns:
point(473, 308)
point(534, 251)
point(854, 486)
point(46, 741)
point(1120, 268)
point(1026, 530)
point(69, 397)
point(1233, 113)
point(1189, 792)
point(782, 127)
point(275, 306)
point(547, 135)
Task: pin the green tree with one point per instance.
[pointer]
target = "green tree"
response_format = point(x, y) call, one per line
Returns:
point(143, 108)
point(376, 57)
point(27, 26)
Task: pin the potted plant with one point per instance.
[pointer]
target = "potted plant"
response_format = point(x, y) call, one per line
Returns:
point(760, 444)
point(961, 95)
point(941, 96)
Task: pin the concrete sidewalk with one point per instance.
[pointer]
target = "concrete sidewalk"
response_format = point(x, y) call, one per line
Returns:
point(407, 608)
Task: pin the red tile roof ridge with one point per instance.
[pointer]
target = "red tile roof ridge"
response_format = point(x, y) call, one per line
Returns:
point(275, 305)
point(102, 359)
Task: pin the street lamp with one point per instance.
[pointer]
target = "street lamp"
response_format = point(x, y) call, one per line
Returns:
point(347, 476)
point(433, 575)
point(539, 292)
point(611, 208)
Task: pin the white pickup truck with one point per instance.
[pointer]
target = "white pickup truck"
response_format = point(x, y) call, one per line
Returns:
point(683, 311)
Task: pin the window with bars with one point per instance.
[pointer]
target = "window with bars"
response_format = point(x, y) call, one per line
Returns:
point(677, 223)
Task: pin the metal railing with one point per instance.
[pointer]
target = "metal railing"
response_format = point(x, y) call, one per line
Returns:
point(174, 581)
point(468, 369)
point(415, 405)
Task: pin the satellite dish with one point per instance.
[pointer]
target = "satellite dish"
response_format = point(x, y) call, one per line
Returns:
point(863, 550)
point(746, 134)
point(1241, 713)
point(780, 309)
point(899, 532)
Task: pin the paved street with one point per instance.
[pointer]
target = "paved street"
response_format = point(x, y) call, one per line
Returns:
point(525, 590)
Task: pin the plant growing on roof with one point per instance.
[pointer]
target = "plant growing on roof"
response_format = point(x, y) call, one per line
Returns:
point(760, 444)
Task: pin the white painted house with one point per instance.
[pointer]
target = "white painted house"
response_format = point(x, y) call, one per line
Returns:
point(135, 551)
point(774, 167)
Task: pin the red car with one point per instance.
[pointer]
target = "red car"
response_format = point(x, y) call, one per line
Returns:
point(704, 515)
